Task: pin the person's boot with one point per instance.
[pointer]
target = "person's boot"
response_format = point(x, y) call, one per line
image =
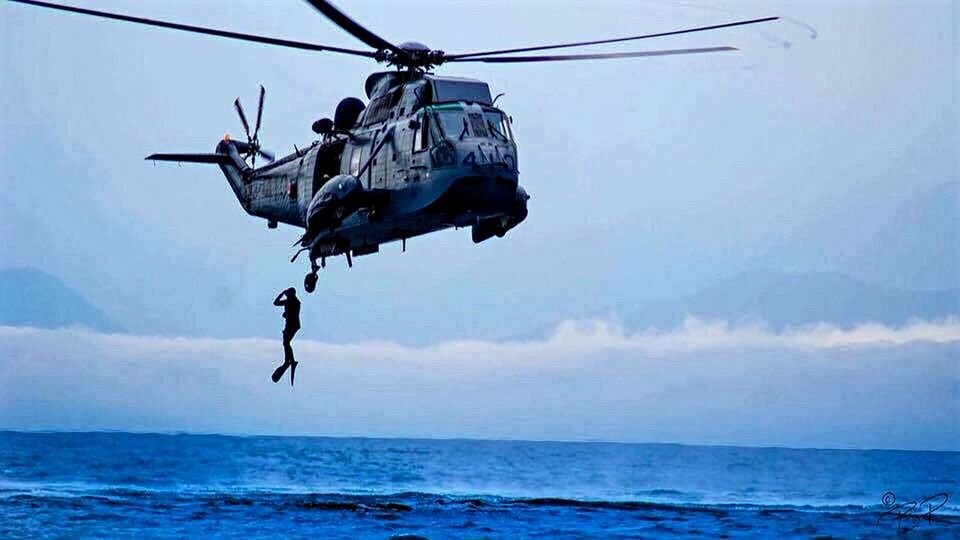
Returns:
point(278, 373)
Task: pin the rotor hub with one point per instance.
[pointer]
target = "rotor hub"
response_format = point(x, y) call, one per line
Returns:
point(412, 55)
point(414, 46)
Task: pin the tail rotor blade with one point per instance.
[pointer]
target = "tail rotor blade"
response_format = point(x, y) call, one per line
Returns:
point(243, 117)
point(265, 155)
point(256, 128)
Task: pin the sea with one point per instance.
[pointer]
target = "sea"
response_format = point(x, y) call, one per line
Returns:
point(123, 485)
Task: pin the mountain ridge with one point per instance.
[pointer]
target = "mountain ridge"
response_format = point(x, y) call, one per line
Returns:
point(32, 297)
point(783, 299)
point(780, 300)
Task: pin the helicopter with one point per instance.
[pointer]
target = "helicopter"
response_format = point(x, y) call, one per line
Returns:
point(425, 153)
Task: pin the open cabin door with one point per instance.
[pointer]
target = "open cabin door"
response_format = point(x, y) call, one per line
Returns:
point(328, 163)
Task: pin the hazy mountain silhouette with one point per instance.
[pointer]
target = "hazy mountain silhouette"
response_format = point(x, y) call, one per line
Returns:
point(778, 300)
point(791, 299)
point(31, 297)
point(914, 246)
point(919, 246)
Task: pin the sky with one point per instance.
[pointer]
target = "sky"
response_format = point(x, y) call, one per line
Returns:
point(648, 177)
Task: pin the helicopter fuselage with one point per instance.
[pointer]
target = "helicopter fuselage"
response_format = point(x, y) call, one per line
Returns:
point(427, 154)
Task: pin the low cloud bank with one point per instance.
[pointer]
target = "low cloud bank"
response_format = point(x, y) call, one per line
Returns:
point(703, 382)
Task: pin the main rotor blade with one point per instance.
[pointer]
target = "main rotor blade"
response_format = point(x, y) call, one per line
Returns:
point(598, 56)
point(614, 40)
point(199, 29)
point(243, 117)
point(354, 28)
point(256, 129)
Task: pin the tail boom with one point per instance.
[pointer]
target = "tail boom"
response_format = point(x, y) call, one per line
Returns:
point(229, 160)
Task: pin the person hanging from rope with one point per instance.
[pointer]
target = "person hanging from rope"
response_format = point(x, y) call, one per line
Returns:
point(291, 315)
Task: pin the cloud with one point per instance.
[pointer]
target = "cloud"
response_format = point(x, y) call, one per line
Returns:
point(696, 335)
point(703, 382)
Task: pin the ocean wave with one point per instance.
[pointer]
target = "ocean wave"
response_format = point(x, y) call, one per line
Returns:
point(126, 512)
point(337, 498)
point(406, 501)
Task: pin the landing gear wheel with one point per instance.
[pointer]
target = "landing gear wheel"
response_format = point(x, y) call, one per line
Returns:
point(310, 282)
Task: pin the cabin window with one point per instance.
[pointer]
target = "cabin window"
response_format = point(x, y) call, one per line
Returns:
point(355, 160)
point(383, 107)
point(377, 111)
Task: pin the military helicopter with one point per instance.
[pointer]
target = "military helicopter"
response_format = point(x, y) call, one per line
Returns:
point(427, 153)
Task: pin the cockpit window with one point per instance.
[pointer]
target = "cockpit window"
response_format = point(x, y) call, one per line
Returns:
point(428, 133)
point(460, 122)
point(453, 122)
point(478, 127)
point(498, 125)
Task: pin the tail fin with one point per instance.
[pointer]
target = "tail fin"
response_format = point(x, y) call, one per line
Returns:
point(230, 161)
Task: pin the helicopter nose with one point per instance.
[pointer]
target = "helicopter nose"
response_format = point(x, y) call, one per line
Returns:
point(490, 191)
point(486, 157)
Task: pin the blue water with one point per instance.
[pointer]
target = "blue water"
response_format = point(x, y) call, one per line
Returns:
point(115, 484)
